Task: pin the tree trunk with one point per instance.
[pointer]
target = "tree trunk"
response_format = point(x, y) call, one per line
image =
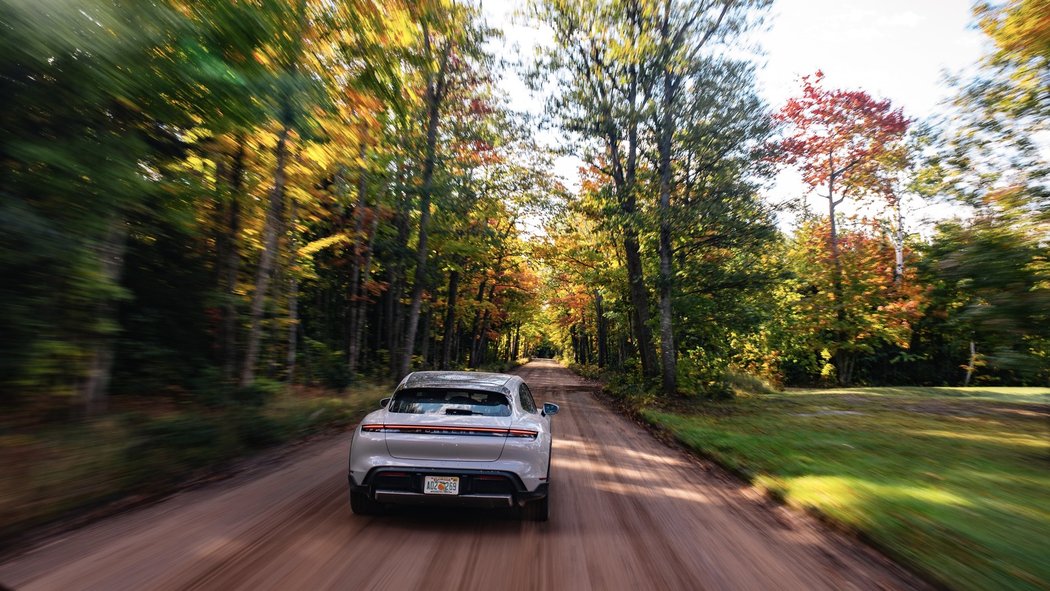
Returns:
point(293, 302)
point(836, 281)
point(424, 335)
point(94, 389)
point(272, 230)
point(669, 374)
point(396, 279)
point(898, 244)
point(972, 365)
point(516, 346)
point(482, 340)
point(434, 97)
point(640, 304)
point(230, 265)
point(450, 319)
point(293, 325)
point(476, 324)
point(603, 330)
point(360, 306)
point(353, 345)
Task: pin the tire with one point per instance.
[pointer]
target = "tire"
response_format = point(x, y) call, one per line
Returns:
point(538, 510)
point(360, 504)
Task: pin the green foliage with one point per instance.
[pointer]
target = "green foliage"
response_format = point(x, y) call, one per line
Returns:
point(165, 449)
point(704, 373)
point(257, 394)
point(990, 284)
point(324, 366)
point(255, 430)
point(589, 371)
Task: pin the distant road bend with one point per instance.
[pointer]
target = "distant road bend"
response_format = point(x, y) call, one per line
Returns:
point(627, 512)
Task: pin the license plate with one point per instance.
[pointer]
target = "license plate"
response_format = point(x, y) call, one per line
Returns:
point(441, 485)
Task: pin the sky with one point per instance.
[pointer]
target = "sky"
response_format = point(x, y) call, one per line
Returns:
point(895, 49)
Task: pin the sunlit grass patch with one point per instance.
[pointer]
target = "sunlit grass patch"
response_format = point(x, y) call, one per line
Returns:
point(955, 482)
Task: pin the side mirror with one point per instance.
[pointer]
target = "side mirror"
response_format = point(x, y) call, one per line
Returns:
point(384, 402)
point(550, 409)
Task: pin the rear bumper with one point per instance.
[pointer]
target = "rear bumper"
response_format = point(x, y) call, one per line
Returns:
point(479, 488)
point(397, 497)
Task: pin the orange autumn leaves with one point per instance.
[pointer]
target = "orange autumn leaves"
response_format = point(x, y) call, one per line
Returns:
point(879, 308)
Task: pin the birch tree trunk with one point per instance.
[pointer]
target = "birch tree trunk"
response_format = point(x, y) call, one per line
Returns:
point(272, 230)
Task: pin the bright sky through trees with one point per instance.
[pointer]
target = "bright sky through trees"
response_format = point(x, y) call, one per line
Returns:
point(895, 49)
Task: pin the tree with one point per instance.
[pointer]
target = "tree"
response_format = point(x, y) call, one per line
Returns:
point(876, 308)
point(990, 292)
point(840, 141)
point(1014, 80)
point(606, 78)
point(627, 73)
point(684, 31)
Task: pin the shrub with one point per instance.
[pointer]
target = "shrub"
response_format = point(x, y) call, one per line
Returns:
point(258, 393)
point(255, 430)
point(704, 373)
point(168, 448)
point(742, 381)
point(323, 365)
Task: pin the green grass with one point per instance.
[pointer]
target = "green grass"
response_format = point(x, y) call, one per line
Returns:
point(953, 482)
point(48, 471)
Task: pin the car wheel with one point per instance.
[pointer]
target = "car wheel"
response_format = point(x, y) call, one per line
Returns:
point(360, 504)
point(538, 510)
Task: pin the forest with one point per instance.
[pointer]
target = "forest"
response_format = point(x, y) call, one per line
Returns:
point(206, 201)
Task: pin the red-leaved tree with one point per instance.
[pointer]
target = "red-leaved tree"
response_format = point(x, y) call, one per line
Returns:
point(840, 140)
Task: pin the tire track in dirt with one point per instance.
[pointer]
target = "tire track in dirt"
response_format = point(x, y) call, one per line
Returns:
point(627, 512)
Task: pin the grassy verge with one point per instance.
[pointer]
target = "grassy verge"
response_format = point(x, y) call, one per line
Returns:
point(952, 482)
point(54, 470)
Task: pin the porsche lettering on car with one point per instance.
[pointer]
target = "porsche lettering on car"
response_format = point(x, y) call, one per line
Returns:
point(454, 438)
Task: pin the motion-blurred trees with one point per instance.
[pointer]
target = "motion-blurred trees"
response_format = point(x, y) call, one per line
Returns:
point(195, 194)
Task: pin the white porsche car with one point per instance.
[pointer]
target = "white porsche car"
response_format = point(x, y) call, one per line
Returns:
point(454, 438)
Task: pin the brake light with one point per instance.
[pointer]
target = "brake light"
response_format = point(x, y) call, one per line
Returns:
point(448, 430)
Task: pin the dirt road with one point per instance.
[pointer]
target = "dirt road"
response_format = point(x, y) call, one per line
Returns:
point(627, 513)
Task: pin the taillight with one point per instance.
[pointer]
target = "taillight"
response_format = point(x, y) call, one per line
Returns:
point(373, 428)
point(521, 433)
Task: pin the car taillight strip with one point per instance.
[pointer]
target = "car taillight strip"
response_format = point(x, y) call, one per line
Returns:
point(444, 430)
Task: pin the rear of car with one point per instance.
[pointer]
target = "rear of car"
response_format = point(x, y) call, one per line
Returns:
point(457, 439)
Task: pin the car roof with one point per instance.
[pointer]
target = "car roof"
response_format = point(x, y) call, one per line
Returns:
point(459, 379)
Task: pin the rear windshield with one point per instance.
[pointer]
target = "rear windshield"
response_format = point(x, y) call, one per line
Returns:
point(446, 401)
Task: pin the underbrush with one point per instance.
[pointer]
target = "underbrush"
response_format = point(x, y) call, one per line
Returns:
point(694, 384)
point(51, 470)
point(502, 366)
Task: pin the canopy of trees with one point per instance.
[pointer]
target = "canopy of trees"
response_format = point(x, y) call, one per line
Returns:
point(200, 195)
